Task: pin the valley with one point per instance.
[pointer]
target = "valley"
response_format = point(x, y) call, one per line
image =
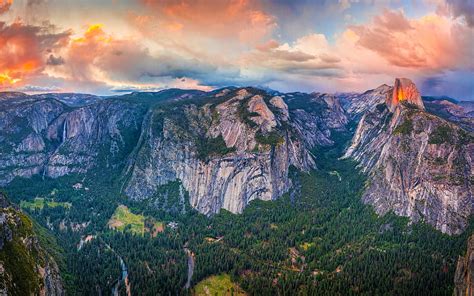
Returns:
point(243, 190)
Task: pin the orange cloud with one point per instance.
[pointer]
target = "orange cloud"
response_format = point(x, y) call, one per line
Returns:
point(24, 50)
point(98, 58)
point(5, 5)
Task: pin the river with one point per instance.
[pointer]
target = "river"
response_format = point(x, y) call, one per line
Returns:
point(123, 268)
point(190, 266)
point(123, 277)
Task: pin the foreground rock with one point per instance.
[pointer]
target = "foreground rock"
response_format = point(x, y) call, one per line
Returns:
point(464, 276)
point(25, 268)
point(419, 165)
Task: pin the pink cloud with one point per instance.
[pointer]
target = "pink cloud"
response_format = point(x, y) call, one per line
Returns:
point(240, 20)
point(432, 42)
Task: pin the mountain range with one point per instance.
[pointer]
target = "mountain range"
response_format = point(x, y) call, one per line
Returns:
point(228, 147)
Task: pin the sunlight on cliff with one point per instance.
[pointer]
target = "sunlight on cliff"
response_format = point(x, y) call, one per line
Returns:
point(400, 96)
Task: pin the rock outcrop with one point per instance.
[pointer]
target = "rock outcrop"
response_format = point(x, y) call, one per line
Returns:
point(25, 267)
point(404, 91)
point(464, 276)
point(419, 165)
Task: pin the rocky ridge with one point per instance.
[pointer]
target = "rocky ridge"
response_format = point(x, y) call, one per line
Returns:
point(230, 146)
point(459, 113)
point(357, 104)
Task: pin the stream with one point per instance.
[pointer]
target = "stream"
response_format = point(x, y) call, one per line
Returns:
point(123, 274)
point(123, 268)
point(190, 266)
point(123, 277)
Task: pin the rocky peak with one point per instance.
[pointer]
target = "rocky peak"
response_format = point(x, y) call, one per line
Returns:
point(404, 90)
point(419, 165)
point(278, 103)
point(266, 119)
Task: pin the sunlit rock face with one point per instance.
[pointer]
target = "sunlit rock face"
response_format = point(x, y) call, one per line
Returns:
point(404, 90)
point(418, 164)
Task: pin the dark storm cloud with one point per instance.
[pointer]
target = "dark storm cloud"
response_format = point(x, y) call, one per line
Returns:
point(54, 61)
point(464, 8)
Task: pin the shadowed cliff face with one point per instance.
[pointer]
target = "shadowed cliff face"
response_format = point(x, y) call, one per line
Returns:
point(464, 276)
point(418, 164)
point(227, 147)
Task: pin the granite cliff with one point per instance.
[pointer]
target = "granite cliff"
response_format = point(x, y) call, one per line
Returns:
point(418, 164)
point(230, 146)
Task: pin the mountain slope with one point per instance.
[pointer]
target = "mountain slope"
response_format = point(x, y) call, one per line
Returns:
point(419, 165)
point(464, 277)
point(25, 268)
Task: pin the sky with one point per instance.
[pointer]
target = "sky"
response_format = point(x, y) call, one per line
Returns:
point(109, 47)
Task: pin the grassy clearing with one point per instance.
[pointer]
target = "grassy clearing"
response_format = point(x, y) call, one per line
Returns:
point(39, 203)
point(218, 285)
point(124, 220)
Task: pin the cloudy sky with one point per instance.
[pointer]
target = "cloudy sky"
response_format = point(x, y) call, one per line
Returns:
point(113, 46)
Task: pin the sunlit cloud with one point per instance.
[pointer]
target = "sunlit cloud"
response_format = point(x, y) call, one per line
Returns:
point(24, 50)
point(288, 45)
point(5, 5)
point(431, 42)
